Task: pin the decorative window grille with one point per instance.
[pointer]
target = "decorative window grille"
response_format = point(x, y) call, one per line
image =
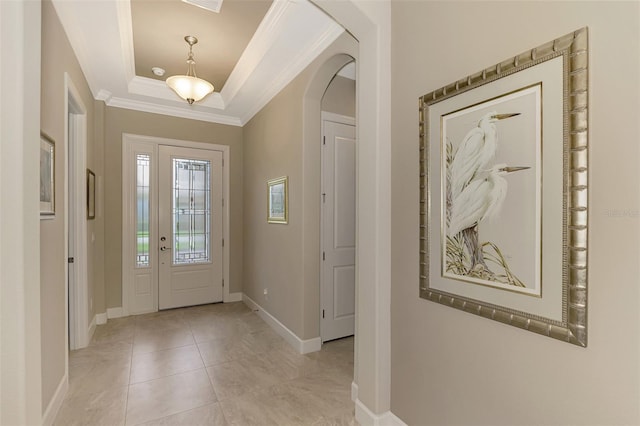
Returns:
point(143, 163)
point(191, 211)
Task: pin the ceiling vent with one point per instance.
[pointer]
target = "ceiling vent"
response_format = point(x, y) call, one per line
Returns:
point(212, 5)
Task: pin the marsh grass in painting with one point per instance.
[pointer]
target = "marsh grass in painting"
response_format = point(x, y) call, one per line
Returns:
point(490, 198)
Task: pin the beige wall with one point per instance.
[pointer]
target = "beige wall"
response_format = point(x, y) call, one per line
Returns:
point(340, 97)
point(277, 257)
point(58, 58)
point(272, 252)
point(119, 121)
point(451, 367)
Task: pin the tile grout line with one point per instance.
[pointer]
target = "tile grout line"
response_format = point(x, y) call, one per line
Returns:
point(206, 371)
point(168, 375)
point(133, 342)
point(224, 416)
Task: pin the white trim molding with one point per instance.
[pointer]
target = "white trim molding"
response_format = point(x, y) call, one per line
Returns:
point(370, 23)
point(234, 297)
point(302, 346)
point(393, 420)
point(75, 114)
point(366, 417)
point(56, 402)
point(117, 313)
point(20, 280)
point(101, 319)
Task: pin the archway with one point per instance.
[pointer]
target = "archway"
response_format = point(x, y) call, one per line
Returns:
point(369, 23)
point(311, 175)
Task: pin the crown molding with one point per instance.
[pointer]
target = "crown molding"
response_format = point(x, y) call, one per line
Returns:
point(155, 108)
point(103, 95)
point(256, 50)
point(307, 55)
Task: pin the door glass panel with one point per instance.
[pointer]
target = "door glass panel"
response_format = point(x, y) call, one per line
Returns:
point(142, 210)
point(191, 211)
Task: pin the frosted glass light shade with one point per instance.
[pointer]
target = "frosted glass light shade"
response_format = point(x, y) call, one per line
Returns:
point(191, 89)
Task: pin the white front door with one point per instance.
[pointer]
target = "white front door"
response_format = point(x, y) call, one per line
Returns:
point(189, 227)
point(338, 228)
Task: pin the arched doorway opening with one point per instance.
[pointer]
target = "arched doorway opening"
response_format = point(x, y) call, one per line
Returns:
point(338, 206)
point(370, 25)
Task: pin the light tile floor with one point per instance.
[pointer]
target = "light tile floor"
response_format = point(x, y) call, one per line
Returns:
point(206, 365)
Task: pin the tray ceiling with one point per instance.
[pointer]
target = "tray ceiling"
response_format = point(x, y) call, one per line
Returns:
point(249, 51)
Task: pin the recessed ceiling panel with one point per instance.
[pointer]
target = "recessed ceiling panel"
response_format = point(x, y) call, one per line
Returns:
point(159, 28)
point(212, 5)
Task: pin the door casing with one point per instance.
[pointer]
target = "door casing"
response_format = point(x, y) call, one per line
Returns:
point(79, 330)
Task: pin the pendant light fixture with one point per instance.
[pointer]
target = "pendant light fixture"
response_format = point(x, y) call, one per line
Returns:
point(189, 87)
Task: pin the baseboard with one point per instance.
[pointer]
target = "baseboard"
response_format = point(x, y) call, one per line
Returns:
point(234, 297)
point(302, 346)
point(56, 402)
point(393, 420)
point(101, 319)
point(366, 417)
point(115, 313)
point(311, 345)
point(354, 391)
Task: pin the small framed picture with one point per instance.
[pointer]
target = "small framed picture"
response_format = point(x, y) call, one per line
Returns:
point(278, 200)
point(91, 195)
point(47, 177)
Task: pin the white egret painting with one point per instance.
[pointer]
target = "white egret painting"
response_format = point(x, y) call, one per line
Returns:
point(491, 197)
point(503, 191)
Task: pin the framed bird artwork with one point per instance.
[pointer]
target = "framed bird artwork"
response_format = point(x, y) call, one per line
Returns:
point(503, 191)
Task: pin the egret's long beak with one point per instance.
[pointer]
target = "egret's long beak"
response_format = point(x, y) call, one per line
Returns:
point(513, 169)
point(503, 116)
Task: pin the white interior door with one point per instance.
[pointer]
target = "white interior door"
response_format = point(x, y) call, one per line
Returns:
point(338, 229)
point(189, 227)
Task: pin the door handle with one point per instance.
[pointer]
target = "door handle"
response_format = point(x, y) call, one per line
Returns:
point(165, 248)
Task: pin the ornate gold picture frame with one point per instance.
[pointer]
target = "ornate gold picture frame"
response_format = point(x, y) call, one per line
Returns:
point(503, 191)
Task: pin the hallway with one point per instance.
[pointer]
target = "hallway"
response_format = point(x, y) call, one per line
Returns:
point(215, 364)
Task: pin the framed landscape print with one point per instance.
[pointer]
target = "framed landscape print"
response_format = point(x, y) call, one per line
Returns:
point(278, 200)
point(47, 177)
point(91, 195)
point(503, 191)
